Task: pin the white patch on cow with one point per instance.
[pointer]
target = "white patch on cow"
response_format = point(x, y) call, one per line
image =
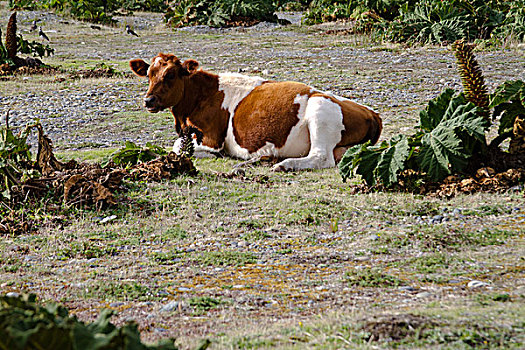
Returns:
point(157, 61)
point(177, 147)
point(325, 124)
point(236, 87)
point(298, 141)
point(297, 144)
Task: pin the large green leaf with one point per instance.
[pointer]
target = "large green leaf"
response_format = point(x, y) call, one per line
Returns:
point(392, 160)
point(508, 91)
point(465, 117)
point(439, 151)
point(368, 160)
point(349, 161)
point(361, 159)
point(26, 325)
point(431, 116)
point(508, 101)
point(448, 147)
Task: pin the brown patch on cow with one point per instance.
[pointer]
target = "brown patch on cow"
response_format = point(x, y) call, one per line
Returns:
point(267, 114)
point(201, 108)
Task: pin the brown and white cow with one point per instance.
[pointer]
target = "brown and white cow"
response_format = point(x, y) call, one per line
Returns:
point(249, 117)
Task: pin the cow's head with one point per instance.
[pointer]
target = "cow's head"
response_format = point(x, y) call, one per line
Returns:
point(166, 76)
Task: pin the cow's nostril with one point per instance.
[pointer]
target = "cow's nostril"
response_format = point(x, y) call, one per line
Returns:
point(149, 101)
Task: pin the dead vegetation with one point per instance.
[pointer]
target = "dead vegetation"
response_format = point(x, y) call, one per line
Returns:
point(61, 186)
point(395, 327)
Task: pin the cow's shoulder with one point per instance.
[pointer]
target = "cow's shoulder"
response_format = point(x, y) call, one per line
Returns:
point(236, 87)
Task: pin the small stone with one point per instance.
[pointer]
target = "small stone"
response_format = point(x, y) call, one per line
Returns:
point(117, 304)
point(476, 284)
point(184, 289)
point(108, 219)
point(12, 295)
point(170, 307)
point(407, 288)
point(423, 295)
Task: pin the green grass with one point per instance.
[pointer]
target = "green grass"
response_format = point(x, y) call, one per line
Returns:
point(371, 277)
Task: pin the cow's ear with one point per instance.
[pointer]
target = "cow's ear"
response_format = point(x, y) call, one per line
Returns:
point(191, 66)
point(139, 67)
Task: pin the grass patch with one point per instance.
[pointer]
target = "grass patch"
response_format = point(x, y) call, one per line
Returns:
point(86, 250)
point(223, 258)
point(371, 277)
point(432, 238)
point(202, 305)
point(120, 291)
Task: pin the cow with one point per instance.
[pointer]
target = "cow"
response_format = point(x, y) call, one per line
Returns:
point(250, 117)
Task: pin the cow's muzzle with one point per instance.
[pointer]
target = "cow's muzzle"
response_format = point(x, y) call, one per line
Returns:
point(151, 103)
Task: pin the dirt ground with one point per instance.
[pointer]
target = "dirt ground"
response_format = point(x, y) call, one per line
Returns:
point(255, 259)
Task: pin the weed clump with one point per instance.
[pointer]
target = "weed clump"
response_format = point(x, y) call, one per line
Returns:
point(29, 185)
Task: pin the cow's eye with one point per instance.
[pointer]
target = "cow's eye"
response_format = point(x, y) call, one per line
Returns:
point(169, 76)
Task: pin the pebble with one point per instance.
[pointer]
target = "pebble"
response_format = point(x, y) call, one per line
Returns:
point(171, 306)
point(12, 295)
point(108, 219)
point(476, 284)
point(423, 295)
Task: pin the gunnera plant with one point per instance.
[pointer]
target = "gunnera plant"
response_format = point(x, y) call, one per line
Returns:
point(451, 135)
point(11, 41)
point(471, 75)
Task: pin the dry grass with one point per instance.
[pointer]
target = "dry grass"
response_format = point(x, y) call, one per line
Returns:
point(269, 260)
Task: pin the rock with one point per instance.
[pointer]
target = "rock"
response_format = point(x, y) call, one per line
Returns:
point(108, 219)
point(476, 284)
point(423, 295)
point(171, 306)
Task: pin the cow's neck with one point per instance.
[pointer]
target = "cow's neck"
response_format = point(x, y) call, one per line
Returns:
point(201, 107)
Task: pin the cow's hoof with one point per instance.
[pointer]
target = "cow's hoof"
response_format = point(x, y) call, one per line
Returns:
point(279, 168)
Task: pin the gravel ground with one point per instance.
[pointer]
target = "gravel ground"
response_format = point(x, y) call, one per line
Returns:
point(393, 80)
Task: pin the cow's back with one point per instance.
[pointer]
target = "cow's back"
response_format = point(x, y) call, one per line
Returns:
point(268, 114)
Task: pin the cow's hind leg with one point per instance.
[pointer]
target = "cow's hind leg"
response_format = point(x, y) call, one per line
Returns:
point(325, 124)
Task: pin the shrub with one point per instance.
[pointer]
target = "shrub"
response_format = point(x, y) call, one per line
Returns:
point(331, 10)
point(26, 325)
point(427, 21)
point(145, 5)
point(15, 158)
point(451, 131)
point(221, 13)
